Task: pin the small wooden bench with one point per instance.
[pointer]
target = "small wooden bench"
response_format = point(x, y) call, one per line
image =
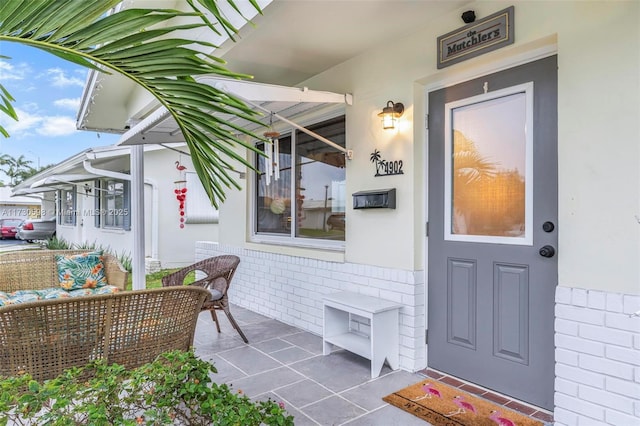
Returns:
point(383, 340)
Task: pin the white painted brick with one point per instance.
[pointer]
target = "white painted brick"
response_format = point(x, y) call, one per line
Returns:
point(614, 302)
point(636, 408)
point(579, 345)
point(605, 335)
point(566, 327)
point(606, 366)
point(606, 399)
point(566, 386)
point(631, 304)
point(616, 418)
point(623, 322)
point(578, 375)
point(563, 295)
point(629, 356)
point(579, 314)
point(579, 297)
point(636, 341)
point(584, 408)
point(586, 421)
point(566, 357)
point(596, 299)
point(564, 417)
point(622, 387)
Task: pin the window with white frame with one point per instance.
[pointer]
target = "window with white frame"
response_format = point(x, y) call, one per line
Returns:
point(113, 205)
point(67, 206)
point(301, 197)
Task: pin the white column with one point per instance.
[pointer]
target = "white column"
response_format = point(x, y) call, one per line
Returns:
point(137, 216)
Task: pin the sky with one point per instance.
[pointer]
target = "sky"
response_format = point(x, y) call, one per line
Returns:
point(47, 92)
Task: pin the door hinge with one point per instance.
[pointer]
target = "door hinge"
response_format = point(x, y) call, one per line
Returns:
point(426, 336)
point(426, 121)
point(427, 229)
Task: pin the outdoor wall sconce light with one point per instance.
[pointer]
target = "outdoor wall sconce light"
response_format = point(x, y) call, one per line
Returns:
point(390, 114)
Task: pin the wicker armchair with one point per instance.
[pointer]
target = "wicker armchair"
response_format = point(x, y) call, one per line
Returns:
point(46, 337)
point(218, 272)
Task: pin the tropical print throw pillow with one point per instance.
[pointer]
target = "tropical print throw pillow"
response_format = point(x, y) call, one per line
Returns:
point(78, 271)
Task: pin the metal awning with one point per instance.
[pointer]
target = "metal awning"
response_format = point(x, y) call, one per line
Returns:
point(281, 101)
point(71, 179)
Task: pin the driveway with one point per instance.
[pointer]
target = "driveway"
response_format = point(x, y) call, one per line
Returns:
point(11, 245)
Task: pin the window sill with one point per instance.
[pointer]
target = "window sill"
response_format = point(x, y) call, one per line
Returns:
point(113, 230)
point(301, 243)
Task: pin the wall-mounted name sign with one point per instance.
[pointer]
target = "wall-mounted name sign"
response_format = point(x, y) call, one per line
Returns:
point(474, 39)
point(384, 167)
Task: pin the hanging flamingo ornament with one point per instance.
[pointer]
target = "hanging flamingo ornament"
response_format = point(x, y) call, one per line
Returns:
point(181, 191)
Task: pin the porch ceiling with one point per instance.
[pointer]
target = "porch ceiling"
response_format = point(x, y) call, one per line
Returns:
point(291, 42)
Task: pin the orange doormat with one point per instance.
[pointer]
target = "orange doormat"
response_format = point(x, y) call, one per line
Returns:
point(443, 405)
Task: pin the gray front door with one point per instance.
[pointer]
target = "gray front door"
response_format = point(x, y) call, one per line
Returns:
point(493, 230)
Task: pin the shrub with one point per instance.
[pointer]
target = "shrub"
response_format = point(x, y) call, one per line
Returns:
point(55, 243)
point(175, 389)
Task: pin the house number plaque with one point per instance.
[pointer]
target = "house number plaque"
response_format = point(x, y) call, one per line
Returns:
point(384, 167)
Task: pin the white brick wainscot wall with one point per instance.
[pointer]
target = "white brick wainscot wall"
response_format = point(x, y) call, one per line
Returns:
point(290, 289)
point(597, 358)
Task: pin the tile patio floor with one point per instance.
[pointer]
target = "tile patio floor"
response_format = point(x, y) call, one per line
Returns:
point(286, 364)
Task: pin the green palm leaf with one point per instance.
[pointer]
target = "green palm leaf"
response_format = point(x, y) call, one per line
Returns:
point(141, 44)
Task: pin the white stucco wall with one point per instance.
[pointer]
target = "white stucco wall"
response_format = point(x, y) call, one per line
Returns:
point(174, 246)
point(598, 46)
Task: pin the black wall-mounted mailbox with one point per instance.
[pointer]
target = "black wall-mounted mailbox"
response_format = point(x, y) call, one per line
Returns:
point(375, 199)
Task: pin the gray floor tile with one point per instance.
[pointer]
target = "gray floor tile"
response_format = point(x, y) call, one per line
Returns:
point(303, 393)
point(332, 411)
point(254, 386)
point(290, 355)
point(249, 360)
point(226, 372)
point(272, 345)
point(369, 395)
point(244, 316)
point(266, 330)
point(387, 416)
point(308, 341)
point(338, 371)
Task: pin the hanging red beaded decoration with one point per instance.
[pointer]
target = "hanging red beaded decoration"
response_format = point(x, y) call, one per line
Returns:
point(181, 191)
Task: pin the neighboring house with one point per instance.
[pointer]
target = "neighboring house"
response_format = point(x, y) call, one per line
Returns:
point(92, 193)
point(518, 251)
point(20, 207)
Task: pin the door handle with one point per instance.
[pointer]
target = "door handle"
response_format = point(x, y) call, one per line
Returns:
point(547, 251)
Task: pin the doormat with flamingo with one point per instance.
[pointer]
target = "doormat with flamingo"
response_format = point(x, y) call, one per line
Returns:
point(443, 405)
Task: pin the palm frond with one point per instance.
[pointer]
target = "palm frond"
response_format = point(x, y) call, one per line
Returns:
point(142, 45)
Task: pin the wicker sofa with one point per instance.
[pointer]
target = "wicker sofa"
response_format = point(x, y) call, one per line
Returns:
point(131, 328)
point(36, 269)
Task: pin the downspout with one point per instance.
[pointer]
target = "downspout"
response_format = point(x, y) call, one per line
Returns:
point(155, 212)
